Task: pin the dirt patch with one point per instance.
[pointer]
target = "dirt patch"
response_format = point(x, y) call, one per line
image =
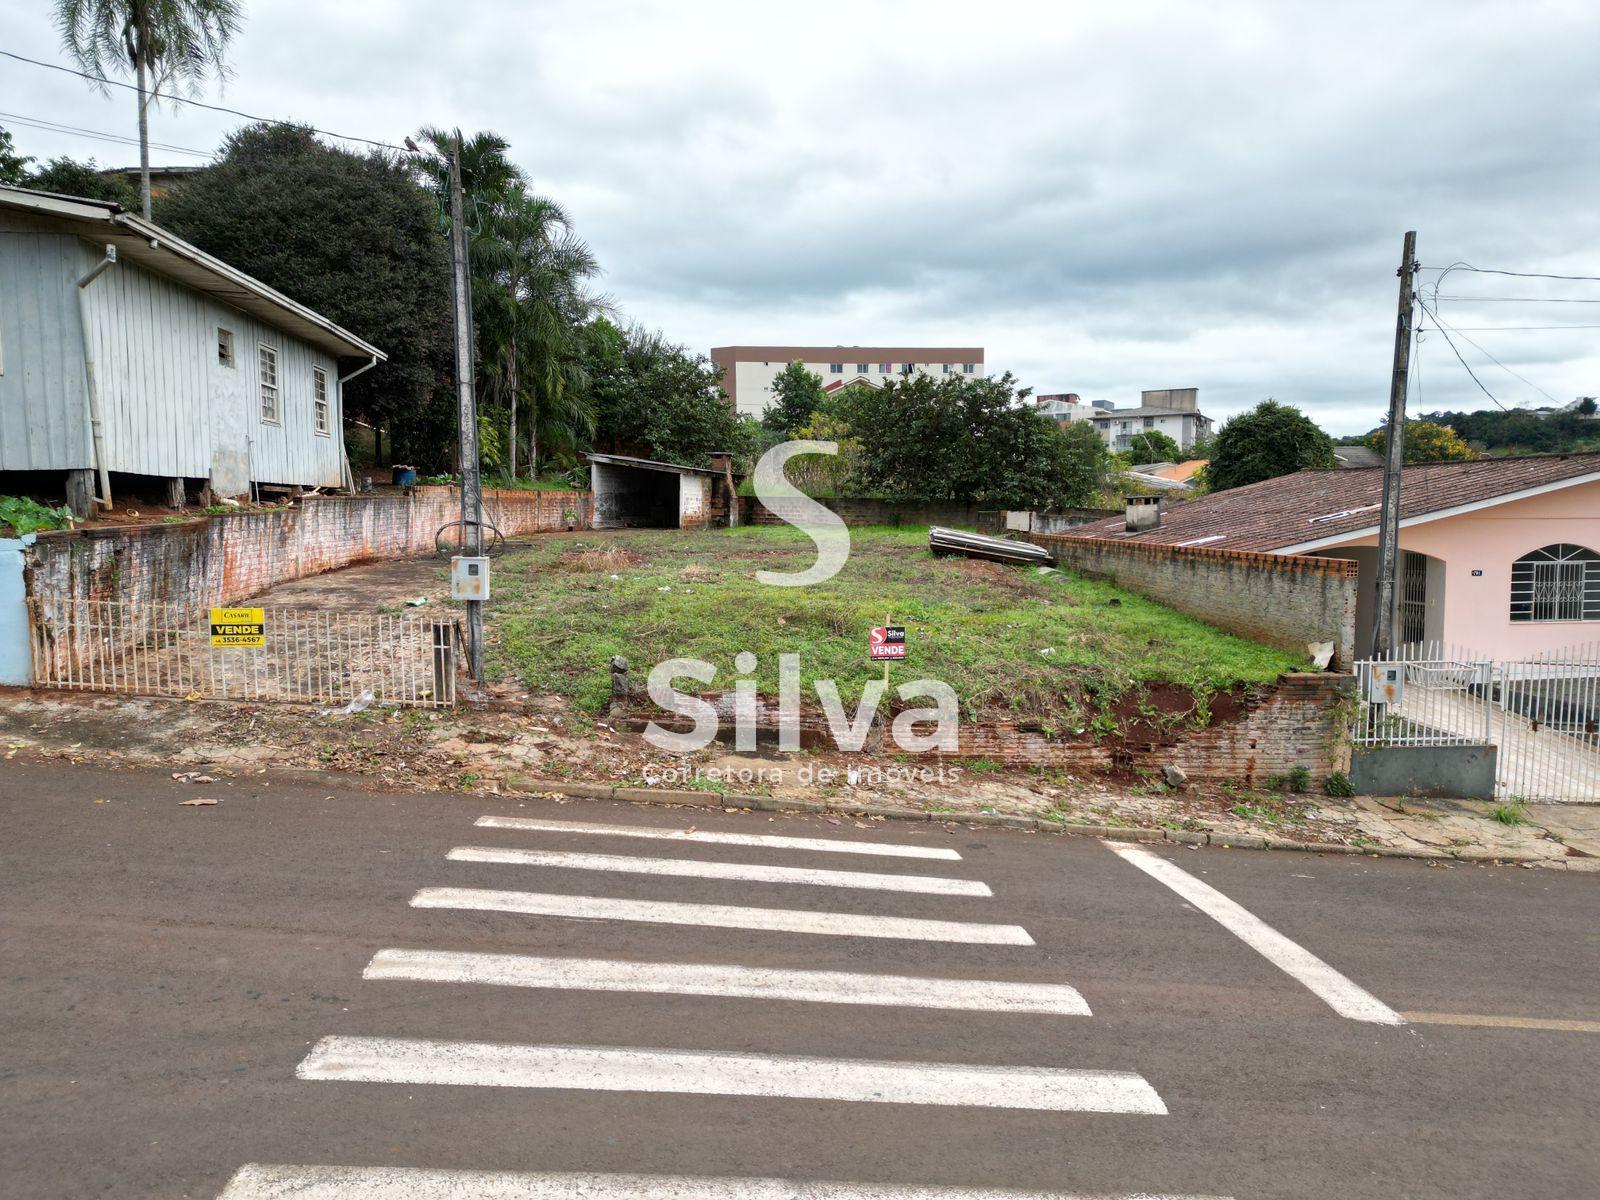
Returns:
point(598, 559)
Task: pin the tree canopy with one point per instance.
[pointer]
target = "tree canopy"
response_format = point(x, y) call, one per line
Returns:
point(1426, 442)
point(967, 439)
point(796, 394)
point(1271, 439)
point(1153, 446)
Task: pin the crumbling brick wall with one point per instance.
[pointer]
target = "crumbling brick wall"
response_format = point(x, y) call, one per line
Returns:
point(218, 560)
point(1287, 601)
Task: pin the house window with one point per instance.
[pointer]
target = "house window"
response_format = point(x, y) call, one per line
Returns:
point(224, 346)
point(319, 400)
point(270, 410)
point(1149, 422)
point(863, 368)
point(1556, 583)
point(836, 368)
point(970, 368)
point(908, 367)
point(886, 368)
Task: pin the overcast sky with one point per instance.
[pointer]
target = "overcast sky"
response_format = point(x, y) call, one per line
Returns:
point(1107, 197)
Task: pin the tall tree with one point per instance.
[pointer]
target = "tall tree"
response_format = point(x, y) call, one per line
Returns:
point(13, 166)
point(1271, 439)
point(161, 41)
point(796, 394)
point(1153, 446)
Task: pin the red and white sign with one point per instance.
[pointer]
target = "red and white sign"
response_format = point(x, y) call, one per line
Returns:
point(887, 641)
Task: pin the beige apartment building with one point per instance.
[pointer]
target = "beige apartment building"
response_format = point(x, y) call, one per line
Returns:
point(748, 371)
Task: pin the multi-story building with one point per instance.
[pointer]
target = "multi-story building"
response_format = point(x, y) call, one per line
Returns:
point(1067, 407)
point(1172, 411)
point(748, 371)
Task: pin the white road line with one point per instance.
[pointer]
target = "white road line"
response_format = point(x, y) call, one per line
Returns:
point(685, 1072)
point(259, 1181)
point(704, 979)
point(1344, 997)
point(771, 841)
point(722, 916)
point(750, 872)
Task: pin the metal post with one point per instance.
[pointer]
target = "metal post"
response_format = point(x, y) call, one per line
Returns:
point(466, 404)
point(1383, 622)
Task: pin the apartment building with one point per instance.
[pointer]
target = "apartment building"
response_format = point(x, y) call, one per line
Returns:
point(748, 371)
point(1172, 411)
point(1066, 407)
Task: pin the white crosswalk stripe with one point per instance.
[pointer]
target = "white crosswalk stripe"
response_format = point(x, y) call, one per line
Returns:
point(771, 841)
point(269, 1182)
point(932, 885)
point(627, 1069)
point(701, 979)
point(722, 916)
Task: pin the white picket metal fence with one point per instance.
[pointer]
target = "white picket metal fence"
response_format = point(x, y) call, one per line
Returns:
point(1542, 713)
point(309, 656)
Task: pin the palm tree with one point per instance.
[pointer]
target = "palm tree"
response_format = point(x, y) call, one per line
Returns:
point(161, 40)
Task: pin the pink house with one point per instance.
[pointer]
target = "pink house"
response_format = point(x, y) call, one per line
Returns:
point(1500, 556)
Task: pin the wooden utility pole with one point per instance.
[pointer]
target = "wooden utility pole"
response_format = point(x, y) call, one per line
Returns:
point(466, 403)
point(1383, 623)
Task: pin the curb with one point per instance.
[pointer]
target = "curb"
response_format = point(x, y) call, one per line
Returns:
point(1117, 833)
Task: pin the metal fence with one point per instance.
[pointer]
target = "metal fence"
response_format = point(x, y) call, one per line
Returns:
point(307, 655)
point(1542, 713)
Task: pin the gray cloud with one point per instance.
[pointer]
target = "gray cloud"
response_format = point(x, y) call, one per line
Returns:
point(1107, 197)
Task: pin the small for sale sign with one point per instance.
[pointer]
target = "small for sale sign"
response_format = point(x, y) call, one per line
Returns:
point(887, 641)
point(238, 627)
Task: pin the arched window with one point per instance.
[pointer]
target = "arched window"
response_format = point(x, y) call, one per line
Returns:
point(1556, 583)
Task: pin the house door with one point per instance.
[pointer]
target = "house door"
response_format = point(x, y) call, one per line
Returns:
point(1413, 598)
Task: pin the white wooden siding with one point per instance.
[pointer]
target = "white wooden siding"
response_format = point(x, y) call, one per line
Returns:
point(44, 412)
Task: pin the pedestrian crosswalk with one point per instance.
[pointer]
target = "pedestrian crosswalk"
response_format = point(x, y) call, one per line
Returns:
point(376, 1057)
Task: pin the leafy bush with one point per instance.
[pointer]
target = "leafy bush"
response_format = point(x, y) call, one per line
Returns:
point(26, 516)
point(1297, 780)
point(1339, 785)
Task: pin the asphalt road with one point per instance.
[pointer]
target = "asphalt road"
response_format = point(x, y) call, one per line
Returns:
point(167, 969)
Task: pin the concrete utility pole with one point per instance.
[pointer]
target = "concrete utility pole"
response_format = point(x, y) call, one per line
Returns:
point(1384, 616)
point(466, 404)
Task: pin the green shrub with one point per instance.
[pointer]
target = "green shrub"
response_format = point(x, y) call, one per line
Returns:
point(1297, 780)
point(1339, 785)
point(24, 516)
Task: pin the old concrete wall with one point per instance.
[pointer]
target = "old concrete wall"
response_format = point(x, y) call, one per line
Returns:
point(1282, 600)
point(218, 560)
point(1451, 772)
point(694, 501)
point(858, 512)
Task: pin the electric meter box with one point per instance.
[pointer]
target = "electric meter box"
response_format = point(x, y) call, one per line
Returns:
point(469, 578)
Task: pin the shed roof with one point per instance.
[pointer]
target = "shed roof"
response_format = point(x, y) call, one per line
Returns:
point(649, 464)
point(1313, 509)
point(154, 248)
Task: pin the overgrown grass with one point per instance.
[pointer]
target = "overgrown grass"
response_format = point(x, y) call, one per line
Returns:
point(1054, 648)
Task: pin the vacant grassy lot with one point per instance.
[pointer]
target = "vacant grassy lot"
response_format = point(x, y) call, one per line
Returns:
point(1056, 648)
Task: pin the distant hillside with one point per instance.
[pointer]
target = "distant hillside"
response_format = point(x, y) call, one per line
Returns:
point(1521, 431)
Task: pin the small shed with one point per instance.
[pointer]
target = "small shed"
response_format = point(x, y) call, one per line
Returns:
point(125, 350)
point(641, 493)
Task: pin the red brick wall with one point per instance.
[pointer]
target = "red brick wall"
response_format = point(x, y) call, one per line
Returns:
point(218, 560)
point(1281, 600)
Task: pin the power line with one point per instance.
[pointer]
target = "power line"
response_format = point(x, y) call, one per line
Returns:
point(1516, 274)
point(343, 137)
point(1514, 328)
point(56, 127)
point(1517, 299)
point(1449, 341)
point(1503, 367)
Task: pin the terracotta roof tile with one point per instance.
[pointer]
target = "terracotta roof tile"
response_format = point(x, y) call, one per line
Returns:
point(1311, 505)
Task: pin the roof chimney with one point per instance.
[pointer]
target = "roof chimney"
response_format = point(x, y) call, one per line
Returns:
point(1144, 513)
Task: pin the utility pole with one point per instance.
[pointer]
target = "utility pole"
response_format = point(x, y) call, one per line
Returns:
point(466, 405)
point(1383, 624)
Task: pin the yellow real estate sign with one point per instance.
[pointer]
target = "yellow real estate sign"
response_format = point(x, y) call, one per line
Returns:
point(238, 627)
